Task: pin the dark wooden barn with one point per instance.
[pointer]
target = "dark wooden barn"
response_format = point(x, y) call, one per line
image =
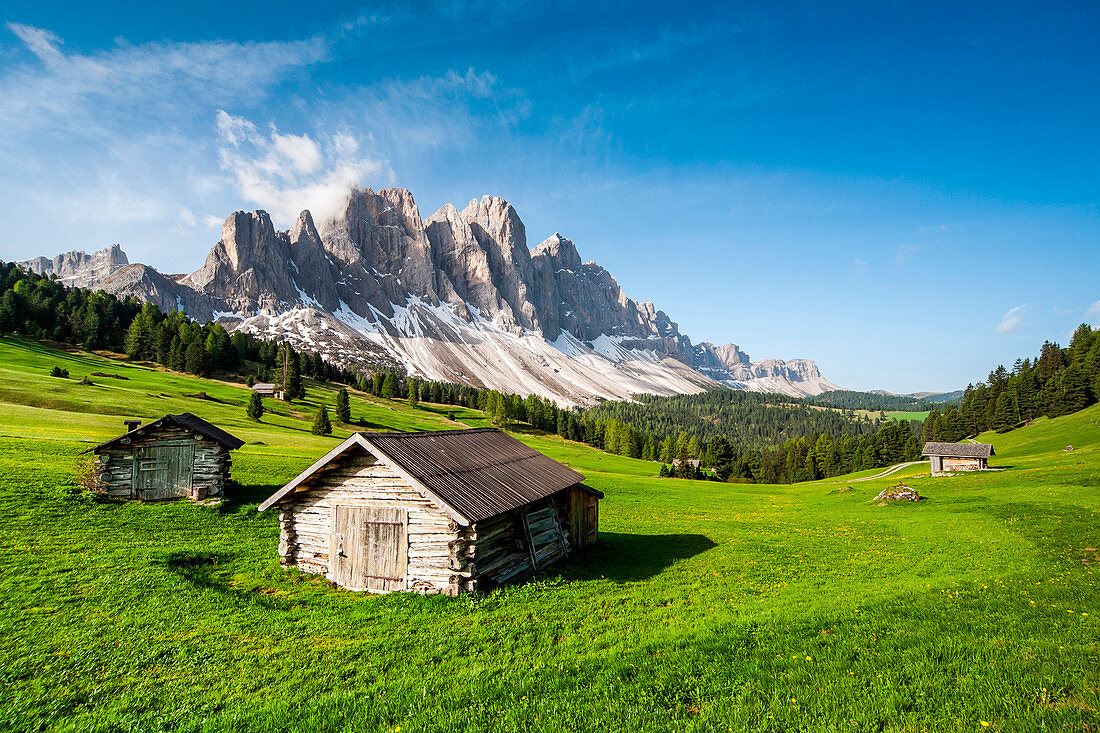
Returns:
point(958, 456)
point(433, 512)
point(177, 456)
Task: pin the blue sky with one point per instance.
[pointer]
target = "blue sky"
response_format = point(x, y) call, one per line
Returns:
point(907, 193)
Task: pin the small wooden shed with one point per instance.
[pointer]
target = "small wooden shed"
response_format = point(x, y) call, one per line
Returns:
point(433, 512)
point(267, 389)
point(958, 456)
point(174, 457)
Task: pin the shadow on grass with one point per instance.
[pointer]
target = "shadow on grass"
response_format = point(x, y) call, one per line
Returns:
point(524, 429)
point(631, 557)
point(71, 352)
point(240, 497)
point(211, 570)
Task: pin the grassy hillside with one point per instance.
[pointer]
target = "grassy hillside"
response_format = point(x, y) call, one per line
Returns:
point(706, 606)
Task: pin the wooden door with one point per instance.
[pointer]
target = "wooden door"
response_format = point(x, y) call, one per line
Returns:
point(163, 470)
point(369, 548)
point(590, 526)
point(545, 540)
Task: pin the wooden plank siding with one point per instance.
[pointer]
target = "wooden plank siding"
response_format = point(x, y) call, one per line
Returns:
point(366, 521)
point(169, 463)
point(434, 543)
point(581, 517)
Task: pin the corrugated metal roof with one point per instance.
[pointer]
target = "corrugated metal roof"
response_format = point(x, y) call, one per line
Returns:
point(474, 474)
point(481, 472)
point(187, 420)
point(959, 450)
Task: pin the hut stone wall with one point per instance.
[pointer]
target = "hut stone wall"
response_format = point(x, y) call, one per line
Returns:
point(963, 464)
point(202, 462)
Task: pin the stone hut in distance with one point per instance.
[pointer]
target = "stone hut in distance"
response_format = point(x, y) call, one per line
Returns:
point(958, 456)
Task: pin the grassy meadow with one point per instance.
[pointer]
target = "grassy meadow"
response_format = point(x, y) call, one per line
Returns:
point(705, 607)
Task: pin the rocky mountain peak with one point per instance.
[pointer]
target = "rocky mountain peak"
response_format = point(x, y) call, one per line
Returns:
point(560, 251)
point(728, 356)
point(80, 269)
point(247, 237)
point(457, 296)
point(304, 228)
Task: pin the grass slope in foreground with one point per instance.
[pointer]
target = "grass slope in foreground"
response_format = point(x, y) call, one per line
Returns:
point(707, 607)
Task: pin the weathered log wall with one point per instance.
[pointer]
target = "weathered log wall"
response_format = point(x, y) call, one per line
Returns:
point(581, 515)
point(443, 556)
point(439, 555)
point(115, 473)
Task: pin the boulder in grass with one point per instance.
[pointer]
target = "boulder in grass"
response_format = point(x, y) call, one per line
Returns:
point(897, 492)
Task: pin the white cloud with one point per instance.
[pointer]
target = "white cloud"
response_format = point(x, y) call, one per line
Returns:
point(1094, 309)
point(42, 43)
point(287, 173)
point(1011, 322)
point(84, 93)
point(120, 138)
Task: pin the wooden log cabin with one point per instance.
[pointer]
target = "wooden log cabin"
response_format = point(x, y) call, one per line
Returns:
point(945, 457)
point(177, 456)
point(433, 512)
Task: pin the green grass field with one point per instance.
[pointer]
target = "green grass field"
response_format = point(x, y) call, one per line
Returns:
point(892, 414)
point(705, 607)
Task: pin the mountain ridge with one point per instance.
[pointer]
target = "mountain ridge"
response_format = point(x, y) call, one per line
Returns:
point(457, 296)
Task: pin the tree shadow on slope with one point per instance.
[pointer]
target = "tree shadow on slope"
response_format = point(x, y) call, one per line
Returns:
point(244, 497)
point(211, 570)
point(625, 557)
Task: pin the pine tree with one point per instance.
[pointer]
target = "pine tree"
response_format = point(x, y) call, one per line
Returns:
point(292, 375)
point(930, 425)
point(389, 386)
point(194, 357)
point(255, 408)
point(135, 339)
point(321, 424)
point(343, 407)
point(952, 428)
point(414, 393)
point(498, 416)
point(722, 454)
point(1002, 415)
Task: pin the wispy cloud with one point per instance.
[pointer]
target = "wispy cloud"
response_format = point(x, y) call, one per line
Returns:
point(1094, 309)
point(287, 173)
point(122, 139)
point(42, 43)
point(1011, 322)
point(83, 93)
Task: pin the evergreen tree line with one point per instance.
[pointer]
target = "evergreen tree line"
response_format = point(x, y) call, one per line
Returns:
point(851, 400)
point(42, 307)
point(853, 446)
point(746, 419)
point(803, 459)
point(1058, 382)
